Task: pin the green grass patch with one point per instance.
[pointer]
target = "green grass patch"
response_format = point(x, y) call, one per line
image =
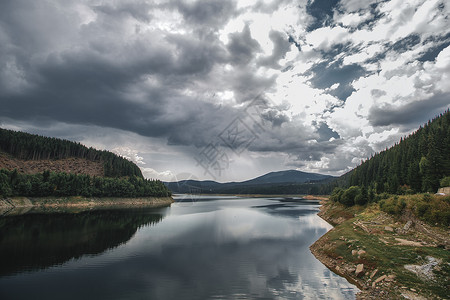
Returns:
point(391, 258)
point(433, 209)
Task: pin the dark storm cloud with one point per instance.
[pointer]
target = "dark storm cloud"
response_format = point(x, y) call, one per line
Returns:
point(416, 112)
point(242, 46)
point(301, 142)
point(180, 70)
point(138, 10)
point(247, 85)
point(103, 81)
point(212, 13)
point(281, 45)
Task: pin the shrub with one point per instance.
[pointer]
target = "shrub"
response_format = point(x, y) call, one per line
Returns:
point(348, 197)
point(393, 205)
point(434, 210)
point(336, 195)
point(445, 181)
point(426, 197)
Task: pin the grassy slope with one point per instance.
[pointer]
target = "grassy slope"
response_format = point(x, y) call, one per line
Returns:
point(369, 229)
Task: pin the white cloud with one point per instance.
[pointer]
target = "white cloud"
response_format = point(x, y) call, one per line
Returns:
point(324, 38)
point(150, 173)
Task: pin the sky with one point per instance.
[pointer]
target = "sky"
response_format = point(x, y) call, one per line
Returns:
point(225, 90)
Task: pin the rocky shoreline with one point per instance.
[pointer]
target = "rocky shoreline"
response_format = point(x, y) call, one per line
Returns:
point(358, 248)
point(22, 205)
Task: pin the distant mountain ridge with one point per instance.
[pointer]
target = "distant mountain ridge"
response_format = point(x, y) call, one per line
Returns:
point(289, 176)
point(274, 182)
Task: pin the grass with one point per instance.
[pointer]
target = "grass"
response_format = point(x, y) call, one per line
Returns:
point(433, 209)
point(382, 251)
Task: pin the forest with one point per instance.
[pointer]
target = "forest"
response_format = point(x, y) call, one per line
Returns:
point(13, 183)
point(419, 163)
point(122, 178)
point(34, 147)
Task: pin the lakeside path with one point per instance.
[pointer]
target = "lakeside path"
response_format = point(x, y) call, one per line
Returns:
point(22, 205)
point(386, 258)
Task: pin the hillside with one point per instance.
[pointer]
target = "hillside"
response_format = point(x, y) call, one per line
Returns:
point(31, 153)
point(281, 182)
point(391, 235)
point(37, 166)
point(73, 165)
point(415, 164)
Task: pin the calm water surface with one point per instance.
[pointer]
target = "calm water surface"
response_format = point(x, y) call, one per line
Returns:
point(201, 248)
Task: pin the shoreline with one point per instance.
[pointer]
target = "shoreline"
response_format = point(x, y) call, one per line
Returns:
point(339, 265)
point(23, 205)
point(305, 197)
point(375, 252)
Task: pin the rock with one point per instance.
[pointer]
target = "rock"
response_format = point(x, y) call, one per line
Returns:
point(388, 228)
point(359, 270)
point(381, 278)
point(407, 226)
point(350, 270)
point(425, 271)
point(361, 252)
point(354, 252)
point(373, 273)
point(390, 277)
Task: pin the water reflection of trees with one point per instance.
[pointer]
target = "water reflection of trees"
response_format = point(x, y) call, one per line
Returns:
point(37, 241)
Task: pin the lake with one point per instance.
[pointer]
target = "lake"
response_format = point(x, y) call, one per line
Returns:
point(199, 248)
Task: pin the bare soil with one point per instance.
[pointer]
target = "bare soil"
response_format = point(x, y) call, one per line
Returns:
point(67, 165)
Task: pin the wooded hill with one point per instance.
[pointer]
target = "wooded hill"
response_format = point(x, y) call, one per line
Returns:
point(416, 164)
point(27, 146)
point(120, 178)
point(419, 163)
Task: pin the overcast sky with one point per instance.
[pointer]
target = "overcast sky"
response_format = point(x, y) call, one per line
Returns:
point(225, 90)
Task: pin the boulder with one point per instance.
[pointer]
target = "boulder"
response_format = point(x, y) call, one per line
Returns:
point(359, 270)
point(388, 228)
point(407, 226)
point(361, 252)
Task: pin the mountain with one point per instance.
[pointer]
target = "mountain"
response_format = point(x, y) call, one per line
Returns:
point(281, 182)
point(289, 176)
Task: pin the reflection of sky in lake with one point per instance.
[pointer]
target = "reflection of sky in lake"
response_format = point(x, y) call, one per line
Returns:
point(252, 248)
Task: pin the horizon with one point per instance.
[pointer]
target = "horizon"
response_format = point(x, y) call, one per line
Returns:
point(226, 90)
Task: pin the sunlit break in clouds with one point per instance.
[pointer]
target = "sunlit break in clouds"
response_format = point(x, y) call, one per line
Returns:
point(225, 90)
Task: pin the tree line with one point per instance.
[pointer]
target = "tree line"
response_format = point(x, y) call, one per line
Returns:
point(418, 163)
point(13, 183)
point(34, 147)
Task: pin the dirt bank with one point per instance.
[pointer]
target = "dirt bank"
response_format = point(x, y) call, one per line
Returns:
point(21, 205)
